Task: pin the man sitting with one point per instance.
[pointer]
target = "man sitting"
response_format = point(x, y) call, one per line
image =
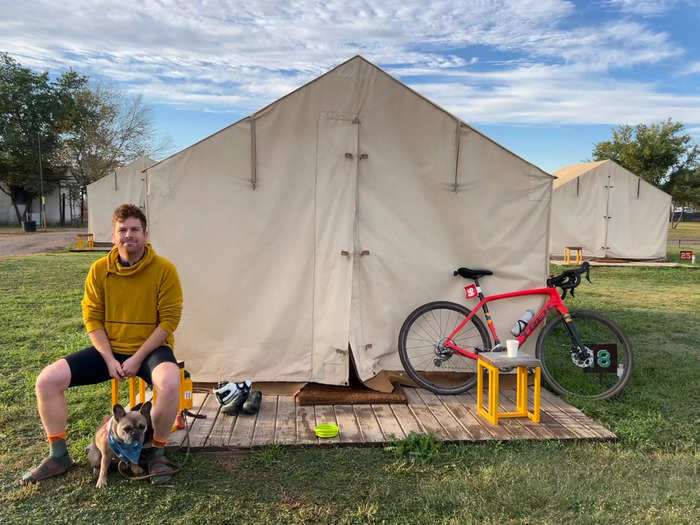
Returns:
point(131, 308)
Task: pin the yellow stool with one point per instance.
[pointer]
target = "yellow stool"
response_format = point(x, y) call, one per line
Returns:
point(185, 394)
point(132, 391)
point(579, 254)
point(89, 237)
point(492, 361)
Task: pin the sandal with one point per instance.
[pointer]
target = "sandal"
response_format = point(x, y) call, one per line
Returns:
point(161, 469)
point(48, 468)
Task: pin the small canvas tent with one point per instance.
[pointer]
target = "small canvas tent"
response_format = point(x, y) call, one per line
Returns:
point(126, 185)
point(305, 233)
point(609, 212)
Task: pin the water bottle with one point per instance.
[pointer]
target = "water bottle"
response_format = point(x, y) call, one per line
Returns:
point(521, 323)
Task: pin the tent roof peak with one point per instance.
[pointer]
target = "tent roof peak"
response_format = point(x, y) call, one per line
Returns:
point(571, 172)
point(359, 58)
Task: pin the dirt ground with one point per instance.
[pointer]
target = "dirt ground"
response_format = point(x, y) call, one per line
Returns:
point(37, 242)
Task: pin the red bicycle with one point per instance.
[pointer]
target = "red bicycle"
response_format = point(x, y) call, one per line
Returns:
point(582, 352)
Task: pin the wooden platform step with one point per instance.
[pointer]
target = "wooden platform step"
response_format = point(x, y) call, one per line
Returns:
point(450, 418)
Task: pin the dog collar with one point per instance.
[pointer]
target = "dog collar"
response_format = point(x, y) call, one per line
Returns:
point(127, 453)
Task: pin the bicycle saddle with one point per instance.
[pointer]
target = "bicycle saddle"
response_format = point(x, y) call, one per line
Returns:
point(471, 274)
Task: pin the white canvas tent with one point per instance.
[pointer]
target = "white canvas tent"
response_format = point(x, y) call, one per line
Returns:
point(318, 223)
point(126, 185)
point(609, 212)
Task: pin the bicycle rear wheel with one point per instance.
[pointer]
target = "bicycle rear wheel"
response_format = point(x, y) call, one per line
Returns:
point(423, 354)
point(605, 369)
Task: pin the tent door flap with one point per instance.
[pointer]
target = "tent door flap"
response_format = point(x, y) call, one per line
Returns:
point(336, 179)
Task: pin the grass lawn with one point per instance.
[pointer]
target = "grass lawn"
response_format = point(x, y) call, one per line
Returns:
point(686, 236)
point(649, 475)
point(684, 230)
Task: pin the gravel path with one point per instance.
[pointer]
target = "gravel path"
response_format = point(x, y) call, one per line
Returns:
point(37, 242)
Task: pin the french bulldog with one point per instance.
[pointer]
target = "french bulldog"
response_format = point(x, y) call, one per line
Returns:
point(122, 436)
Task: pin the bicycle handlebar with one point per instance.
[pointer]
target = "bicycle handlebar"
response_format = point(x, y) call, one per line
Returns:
point(569, 279)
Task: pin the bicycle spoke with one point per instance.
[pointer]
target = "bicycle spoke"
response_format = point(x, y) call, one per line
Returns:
point(426, 357)
point(599, 373)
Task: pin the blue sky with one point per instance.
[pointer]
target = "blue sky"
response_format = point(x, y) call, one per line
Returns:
point(545, 78)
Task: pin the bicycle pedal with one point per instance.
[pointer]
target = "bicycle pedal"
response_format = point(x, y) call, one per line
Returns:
point(500, 347)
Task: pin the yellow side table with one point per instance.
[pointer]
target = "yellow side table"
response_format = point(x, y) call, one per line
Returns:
point(579, 254)
point(85, 238)
point(492, 361)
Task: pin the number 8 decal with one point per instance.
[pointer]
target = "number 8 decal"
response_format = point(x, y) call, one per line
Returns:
point(603, 359)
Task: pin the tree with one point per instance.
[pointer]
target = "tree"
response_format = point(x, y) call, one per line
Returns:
point(29, 122)
point(105, 129)
point(83, 132)
point(684, 186)
point(662, 154)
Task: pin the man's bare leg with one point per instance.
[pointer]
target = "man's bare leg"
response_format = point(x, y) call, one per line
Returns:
point(166, 381)
point(51, 402)
point(50, 396)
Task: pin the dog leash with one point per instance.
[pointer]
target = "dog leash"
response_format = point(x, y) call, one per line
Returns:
point(178, 466)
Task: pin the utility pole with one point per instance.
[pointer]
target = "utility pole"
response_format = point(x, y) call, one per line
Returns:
point(42, 202)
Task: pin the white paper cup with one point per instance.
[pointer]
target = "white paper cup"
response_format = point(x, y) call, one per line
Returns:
point(512, 347)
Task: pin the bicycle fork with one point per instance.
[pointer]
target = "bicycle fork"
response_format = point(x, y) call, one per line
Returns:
point(580, 354)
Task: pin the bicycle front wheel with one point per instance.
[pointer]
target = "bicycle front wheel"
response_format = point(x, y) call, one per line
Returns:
point(424, 355)
point(599, 373)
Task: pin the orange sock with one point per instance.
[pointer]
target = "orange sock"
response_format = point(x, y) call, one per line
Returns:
point(54, 438)
point(159, 443)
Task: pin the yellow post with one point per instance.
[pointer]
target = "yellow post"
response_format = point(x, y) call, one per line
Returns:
point(521, 390)
point(535, 414)
point(115, 392)
point(493, 394)
point(479, 386)
point(142, 391)
point(132, 392)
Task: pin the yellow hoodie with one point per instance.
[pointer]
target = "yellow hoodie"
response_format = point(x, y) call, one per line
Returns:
point(128, 302)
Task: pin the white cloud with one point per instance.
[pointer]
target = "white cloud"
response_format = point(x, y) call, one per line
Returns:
point(502, 61)
point(643, 7)
point(692, 68)
point(648, 8)
point(558, 100)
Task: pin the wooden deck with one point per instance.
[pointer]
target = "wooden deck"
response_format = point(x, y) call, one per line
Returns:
point(449, 418)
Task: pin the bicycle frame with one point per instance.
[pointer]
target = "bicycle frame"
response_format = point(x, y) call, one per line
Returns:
point(554, 302)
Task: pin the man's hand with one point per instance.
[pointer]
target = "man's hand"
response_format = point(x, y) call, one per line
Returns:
point(131, 366)
point(116, 370)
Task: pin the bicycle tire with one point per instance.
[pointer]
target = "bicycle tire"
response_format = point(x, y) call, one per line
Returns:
point(567, 377)
point(420, 334)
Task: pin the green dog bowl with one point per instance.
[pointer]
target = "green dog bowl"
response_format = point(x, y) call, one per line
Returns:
point(326, 430)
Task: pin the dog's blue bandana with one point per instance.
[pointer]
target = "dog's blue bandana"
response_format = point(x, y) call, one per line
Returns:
point(128, 453)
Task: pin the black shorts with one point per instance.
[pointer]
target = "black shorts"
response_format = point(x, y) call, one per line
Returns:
point(87, 367)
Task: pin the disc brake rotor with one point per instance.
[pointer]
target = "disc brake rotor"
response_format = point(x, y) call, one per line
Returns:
point(585, 361)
